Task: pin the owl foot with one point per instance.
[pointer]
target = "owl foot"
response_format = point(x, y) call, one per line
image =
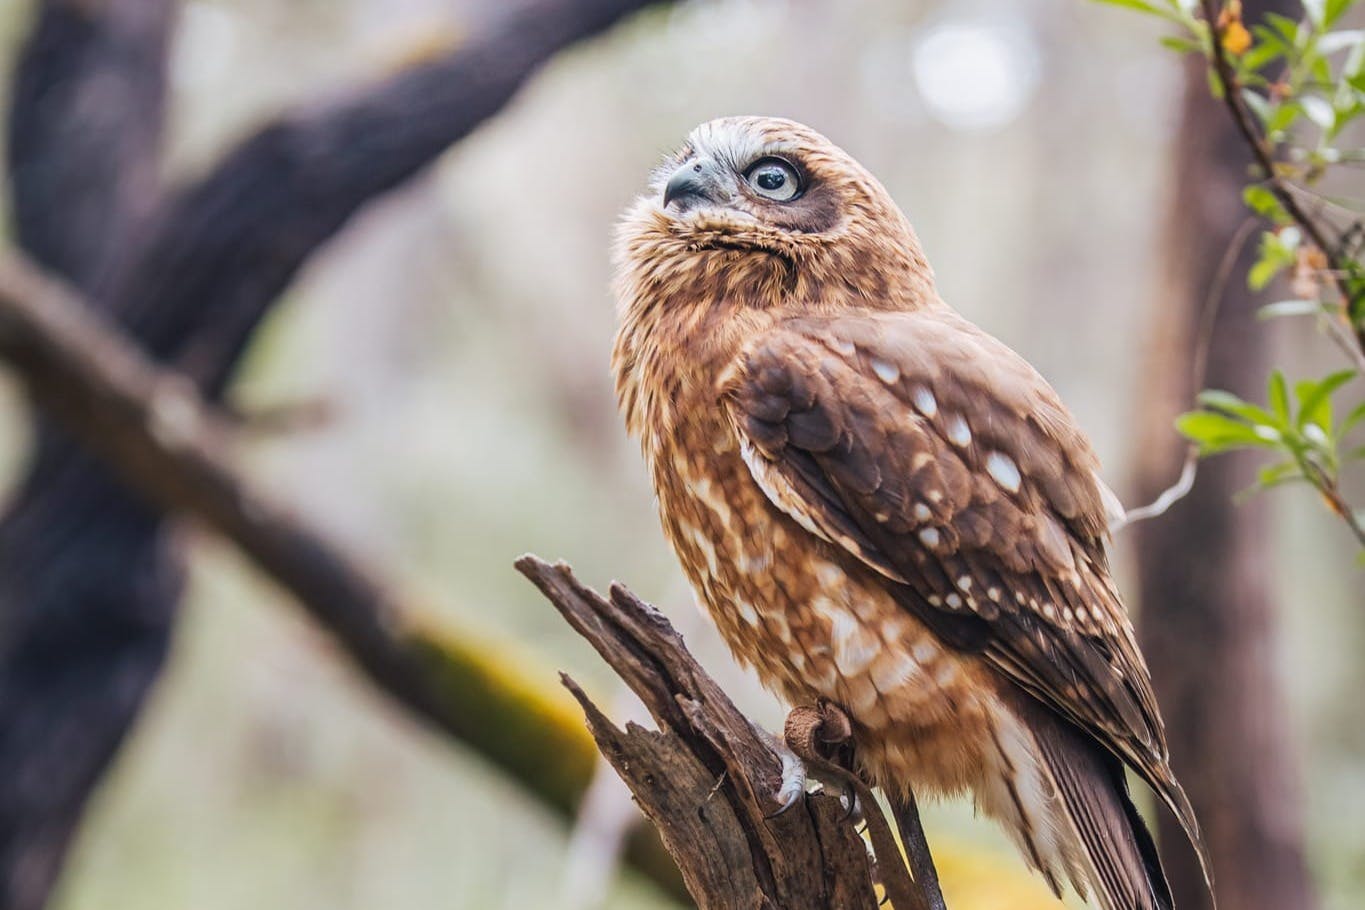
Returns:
point(815, 736)
point(794, 777)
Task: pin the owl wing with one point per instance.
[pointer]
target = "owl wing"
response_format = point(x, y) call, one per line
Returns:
point(941, 459)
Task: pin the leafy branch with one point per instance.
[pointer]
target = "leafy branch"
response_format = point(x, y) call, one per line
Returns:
point(1291, 88)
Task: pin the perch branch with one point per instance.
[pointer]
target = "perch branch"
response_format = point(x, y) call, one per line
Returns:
point(159, 435)
point(706, 775)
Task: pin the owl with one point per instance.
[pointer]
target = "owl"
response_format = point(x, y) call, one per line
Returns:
point(883, 507)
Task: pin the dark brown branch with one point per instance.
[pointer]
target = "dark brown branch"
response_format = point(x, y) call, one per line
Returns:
point(705, 776)
point(164, 441)
point(231, 242)
point(87, 105)
point(906, 812)
point(86, 113)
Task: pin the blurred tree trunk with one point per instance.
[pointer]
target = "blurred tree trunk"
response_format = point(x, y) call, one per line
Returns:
point(1206, 568)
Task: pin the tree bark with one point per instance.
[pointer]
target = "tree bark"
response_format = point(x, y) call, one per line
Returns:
point(89, 582)
point(706, 777)
point(1206, 568)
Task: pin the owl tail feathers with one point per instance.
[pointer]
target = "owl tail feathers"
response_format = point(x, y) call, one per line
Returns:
point(1173, 795)
point(1111, 853)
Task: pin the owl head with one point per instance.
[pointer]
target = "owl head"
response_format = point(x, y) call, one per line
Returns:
point(773, 211)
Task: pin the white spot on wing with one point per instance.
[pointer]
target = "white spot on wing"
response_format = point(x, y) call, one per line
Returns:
point(887, 372)
point(922, 512)
point(958, 432)
point(924, 401)
point(829, 575)
point(891, 673)
point(854, 649)
point(1004, 471)
point(929, 537)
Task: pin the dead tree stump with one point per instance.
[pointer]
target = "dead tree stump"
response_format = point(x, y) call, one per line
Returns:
point(706, 777)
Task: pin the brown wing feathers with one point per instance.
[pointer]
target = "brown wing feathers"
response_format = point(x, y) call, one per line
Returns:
point(939, 458)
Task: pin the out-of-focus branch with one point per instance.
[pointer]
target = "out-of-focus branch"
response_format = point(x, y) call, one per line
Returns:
point(151, 425)
point(706, 776)
point(230, 243)
point(89, 585)
point(86, 113)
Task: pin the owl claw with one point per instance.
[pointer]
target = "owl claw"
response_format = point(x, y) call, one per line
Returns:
point(853, 807)
point(793, 785)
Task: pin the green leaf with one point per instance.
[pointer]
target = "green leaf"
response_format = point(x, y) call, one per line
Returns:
point(1315, 398)
point(1285, 115)
point(1215, 83)
point(1261, 274)
point(1215, 433)
point(1181, 45)
point(1333, 9)
point(1142, 6)
point(1321, 69)
point(1228, 403)
point(1289, 308)
point(1277, 393)
point(1278, 250)
point(1269, 37)
point(1263, 201)
point(1357, 414)
point(1260, 54)
point(1286, 27)
point(1280, 472)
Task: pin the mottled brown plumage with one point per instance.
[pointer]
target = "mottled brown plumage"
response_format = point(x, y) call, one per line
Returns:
point(881, 505)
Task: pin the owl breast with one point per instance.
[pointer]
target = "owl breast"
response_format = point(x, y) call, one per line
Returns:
point(811, 621)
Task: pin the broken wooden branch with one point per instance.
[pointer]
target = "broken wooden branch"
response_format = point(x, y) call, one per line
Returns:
point(706, 777)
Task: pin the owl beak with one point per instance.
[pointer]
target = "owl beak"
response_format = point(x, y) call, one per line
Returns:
point(698, 180)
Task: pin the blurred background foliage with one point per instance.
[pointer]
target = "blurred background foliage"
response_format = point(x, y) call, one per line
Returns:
point(456, 338)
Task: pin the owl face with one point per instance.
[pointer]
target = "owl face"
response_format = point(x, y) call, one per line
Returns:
point(758, 175)
point(766, 210)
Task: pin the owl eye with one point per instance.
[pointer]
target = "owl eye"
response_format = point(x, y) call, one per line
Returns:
point(773, 178)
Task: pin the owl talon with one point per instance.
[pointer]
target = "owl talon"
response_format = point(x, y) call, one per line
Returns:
point(853, 807)
point(793, 785)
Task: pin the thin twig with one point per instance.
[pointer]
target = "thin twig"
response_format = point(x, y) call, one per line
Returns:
point(1213, 301)
point(1332, 496)
point(1264, 154)
point(1348, 335)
